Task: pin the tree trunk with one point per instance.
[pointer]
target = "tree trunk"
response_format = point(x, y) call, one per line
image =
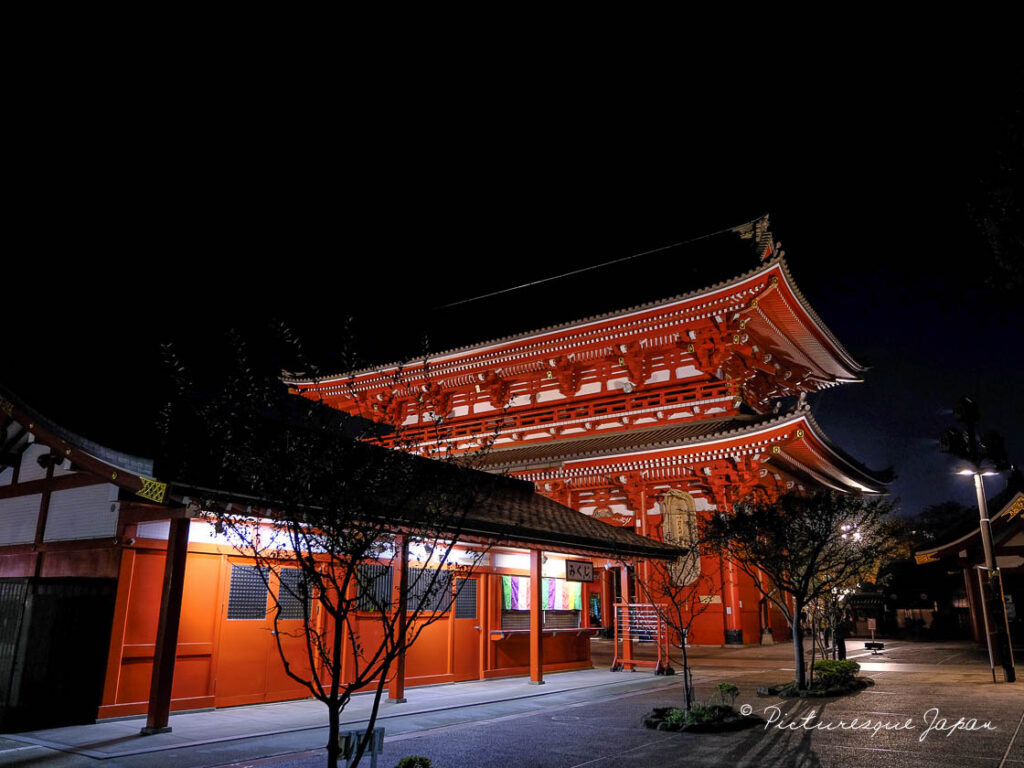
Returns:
point(687, 686)
point(333, 750)
point(334, 700)
point(798, 653)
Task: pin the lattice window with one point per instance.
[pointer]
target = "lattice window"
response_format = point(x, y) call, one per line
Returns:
point(515, 619)
point(465, 599)
point(375, 585)
point(293, 594)
point(561, 619)
point(430, 589)
point(247, 598)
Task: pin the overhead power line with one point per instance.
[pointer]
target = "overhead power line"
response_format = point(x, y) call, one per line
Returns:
point(736, 228)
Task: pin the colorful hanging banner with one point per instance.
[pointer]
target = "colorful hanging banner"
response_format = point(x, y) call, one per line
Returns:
point(555, 594)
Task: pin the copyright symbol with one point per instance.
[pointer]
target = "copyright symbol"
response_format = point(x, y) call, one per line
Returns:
point(746, 709)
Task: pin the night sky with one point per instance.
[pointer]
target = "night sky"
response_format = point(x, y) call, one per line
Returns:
point(133, 227)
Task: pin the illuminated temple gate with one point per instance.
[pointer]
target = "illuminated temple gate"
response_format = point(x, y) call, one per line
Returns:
point(687, 404)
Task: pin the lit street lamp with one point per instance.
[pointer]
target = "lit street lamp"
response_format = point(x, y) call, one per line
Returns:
point(983, 459)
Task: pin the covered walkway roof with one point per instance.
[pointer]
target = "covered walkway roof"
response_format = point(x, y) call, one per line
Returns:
point(508, 511)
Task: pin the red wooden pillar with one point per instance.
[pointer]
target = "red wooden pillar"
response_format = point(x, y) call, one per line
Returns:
point(396, 689)
point(536, 624)
point(167, 629)
point(607, 612)
point(484, 606)
point(627, 639)
point(731, 598)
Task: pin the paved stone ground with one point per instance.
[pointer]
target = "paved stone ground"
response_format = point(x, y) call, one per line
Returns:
point(927, 685)
point(600, 726)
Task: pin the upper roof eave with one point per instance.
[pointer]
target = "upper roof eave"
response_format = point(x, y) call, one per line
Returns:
point(778, 260)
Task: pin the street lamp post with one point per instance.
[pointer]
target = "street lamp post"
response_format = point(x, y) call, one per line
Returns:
point(982, 460)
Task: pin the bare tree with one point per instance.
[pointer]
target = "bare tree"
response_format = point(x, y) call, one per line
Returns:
point(675, 589)
point(802, 546)
point(327, 518)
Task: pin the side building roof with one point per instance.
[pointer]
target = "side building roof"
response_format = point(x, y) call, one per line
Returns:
point(508, 511)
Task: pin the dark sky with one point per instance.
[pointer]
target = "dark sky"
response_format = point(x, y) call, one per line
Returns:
point(157, 219)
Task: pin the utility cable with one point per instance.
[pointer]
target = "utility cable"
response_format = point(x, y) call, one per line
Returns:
point(598, 266)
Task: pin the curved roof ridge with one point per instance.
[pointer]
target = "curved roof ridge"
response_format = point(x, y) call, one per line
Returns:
point(882, 477)
point(1006, 512)
point(815, 316)
point(747, 424)
point(763, 266)
point(139, 465)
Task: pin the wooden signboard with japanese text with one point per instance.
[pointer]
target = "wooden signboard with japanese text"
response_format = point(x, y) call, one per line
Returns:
point(579, 570)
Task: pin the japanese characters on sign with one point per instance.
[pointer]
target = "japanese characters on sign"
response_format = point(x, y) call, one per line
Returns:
point(579, 570)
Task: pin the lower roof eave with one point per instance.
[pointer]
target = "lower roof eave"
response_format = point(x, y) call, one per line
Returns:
point(574, 547)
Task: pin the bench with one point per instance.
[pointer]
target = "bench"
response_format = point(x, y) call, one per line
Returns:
point(874, 647)
point(348, 743)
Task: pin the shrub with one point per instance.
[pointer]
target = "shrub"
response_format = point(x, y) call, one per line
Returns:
point(833, 673)
point(727, 691)
point(414, 761)
point(701, 714)
point(676, 716)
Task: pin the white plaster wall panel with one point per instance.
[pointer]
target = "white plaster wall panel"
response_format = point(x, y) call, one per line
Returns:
point(549, 394)
point(156, 529)
point(460, 410)
point(82, 513)
point(509, 560)
point(64, 468)
point(1016, 541)
point(198, 531)
point(702, 504)
point(30, 469)
point(657, 376)
point(590, 388)
point(18, 518)
point(687, 372)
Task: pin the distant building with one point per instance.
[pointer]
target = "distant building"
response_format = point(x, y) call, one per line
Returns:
point(962, 551)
